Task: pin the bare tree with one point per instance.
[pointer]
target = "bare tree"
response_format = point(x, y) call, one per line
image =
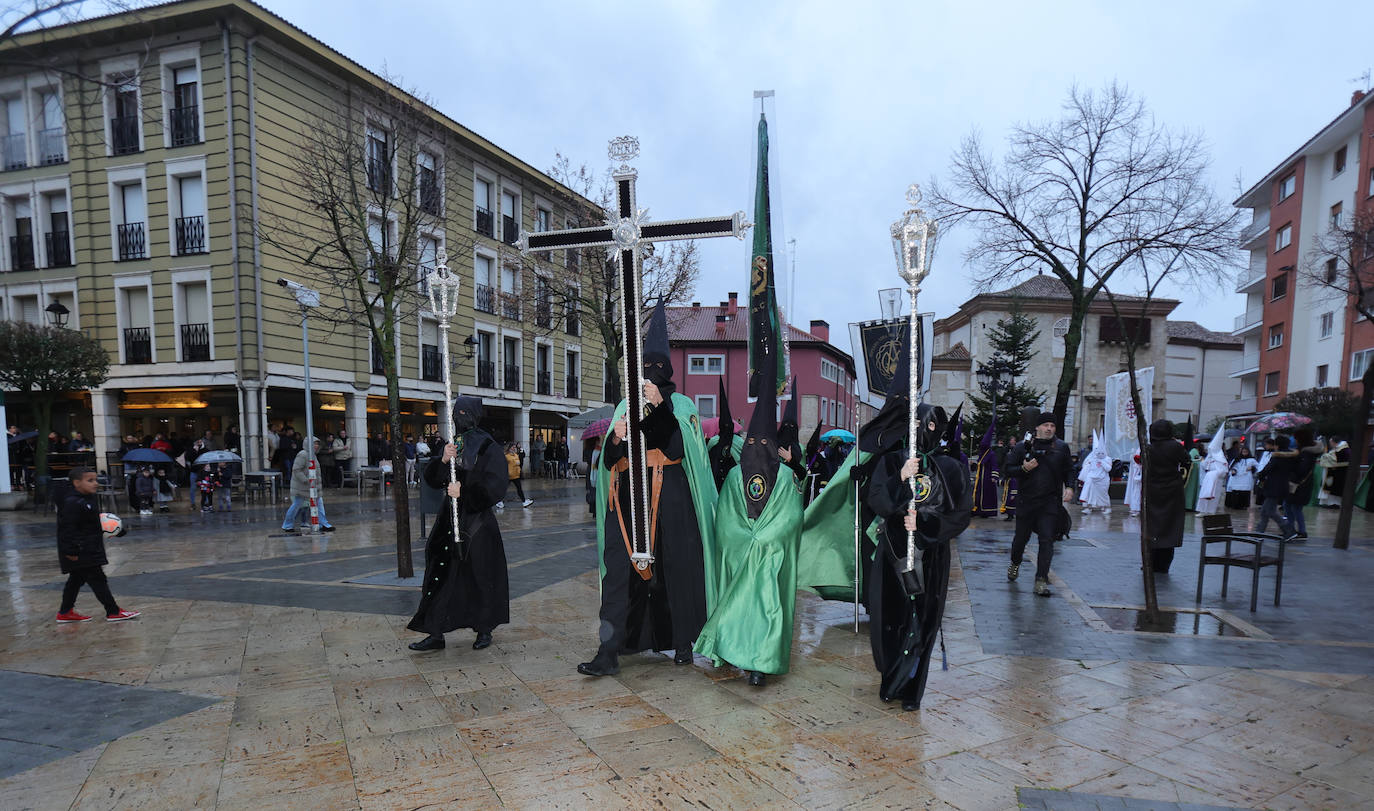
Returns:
point(584, 285)
point(365, 195)
point(1343, 263)
point(1082, 196)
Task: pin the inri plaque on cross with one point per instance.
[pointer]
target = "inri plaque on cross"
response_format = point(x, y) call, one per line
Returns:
point(627, 230)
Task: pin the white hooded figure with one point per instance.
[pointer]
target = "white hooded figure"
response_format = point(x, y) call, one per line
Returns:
point(1133, 481)
point(1215, 470)
point(1096, 478)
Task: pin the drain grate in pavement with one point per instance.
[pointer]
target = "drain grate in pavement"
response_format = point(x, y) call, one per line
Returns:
point(1168, 621)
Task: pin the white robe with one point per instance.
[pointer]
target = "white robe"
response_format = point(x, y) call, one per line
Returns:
point(1133, 482)
point(1213, 487)
point(1096, 477)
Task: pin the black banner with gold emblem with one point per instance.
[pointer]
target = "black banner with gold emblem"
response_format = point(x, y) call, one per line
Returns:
point(881, 344)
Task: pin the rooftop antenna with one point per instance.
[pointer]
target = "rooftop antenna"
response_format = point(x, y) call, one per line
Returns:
point(1362, 80)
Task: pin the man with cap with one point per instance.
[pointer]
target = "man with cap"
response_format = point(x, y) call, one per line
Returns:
point(465, 583)
point(758, 533)
point(664, 606)
point(906, 608)
point(1045, 478)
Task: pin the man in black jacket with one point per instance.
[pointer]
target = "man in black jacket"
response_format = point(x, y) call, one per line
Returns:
point(1045, 477)
point(81, 550)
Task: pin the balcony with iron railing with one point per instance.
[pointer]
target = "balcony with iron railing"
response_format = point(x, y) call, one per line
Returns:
point(431, 363)
point(52, 146)
point(486, 374)
point(485, 298)
point(14, 151)
point(185, 123)
point(378, 175)
point(510, 379)
point(138, 345)
point(573, 387)
point(571, 325)
point(1248, 320)
point(510, 305)
point(1253, 232)
point(21, 253)
point(510, 230)
point(378, 362)
point(195, 342)
point(543, 383)
point(429, 195)
point(190, 235)
point(133, 244)
point(124, 134)
point(543, 314)
point(485, 223)
point(59, 247)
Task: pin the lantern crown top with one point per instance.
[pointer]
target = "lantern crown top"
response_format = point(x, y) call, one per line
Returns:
point(623, 149)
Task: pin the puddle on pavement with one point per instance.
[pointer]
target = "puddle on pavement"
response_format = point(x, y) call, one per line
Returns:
point(1186, 623)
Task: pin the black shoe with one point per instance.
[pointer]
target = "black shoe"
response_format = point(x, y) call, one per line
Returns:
point(600, 666)
point(483, 640)
point(755, 678)
point(682, 657)
point(431, 642)
point(327, 528)
point(910, 705)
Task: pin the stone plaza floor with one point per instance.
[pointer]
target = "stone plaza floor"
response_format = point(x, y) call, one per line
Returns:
point(270, 672)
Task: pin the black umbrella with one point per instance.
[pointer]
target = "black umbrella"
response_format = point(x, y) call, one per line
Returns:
point(27, 435)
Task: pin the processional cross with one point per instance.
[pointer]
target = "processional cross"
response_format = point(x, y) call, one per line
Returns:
point(627, 230)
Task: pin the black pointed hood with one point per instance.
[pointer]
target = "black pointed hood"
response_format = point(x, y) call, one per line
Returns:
point(789, 432)
point(467, 413)
point(721, 454)
point(657, 359)
point(759, 460)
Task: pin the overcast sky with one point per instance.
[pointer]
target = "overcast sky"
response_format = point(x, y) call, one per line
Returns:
point(871, 97)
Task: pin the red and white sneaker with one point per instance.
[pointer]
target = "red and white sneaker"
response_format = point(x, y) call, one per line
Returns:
point(121, 616)
point(71, 616)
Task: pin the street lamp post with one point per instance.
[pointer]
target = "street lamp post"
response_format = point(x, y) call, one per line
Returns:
point(57, 314)
point(307, 298)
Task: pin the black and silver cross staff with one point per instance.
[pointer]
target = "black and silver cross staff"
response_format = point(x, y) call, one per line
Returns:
point(627, 230)
point(913, 242)
point(443, 302)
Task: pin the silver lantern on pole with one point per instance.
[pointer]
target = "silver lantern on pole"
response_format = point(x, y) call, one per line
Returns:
point(913, 243)
point(443, 302)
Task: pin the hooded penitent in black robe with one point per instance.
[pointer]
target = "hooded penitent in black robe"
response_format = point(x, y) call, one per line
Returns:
point(465, 583)
point(1164, 485)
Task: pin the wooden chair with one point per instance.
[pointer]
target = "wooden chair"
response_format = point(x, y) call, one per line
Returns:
point(1216, 529)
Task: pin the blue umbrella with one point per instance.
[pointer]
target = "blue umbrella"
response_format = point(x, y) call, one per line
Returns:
point(147, 455)
point(837, 433)
point(24, 437)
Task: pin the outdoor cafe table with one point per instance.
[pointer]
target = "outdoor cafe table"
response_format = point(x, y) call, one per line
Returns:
point(269, 476)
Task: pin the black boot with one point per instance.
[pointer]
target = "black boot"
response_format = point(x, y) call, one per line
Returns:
point(604, 664)
point(910, 704)
point(431, 642)
point(755, 678)
point(483, 640)
point(682, 657)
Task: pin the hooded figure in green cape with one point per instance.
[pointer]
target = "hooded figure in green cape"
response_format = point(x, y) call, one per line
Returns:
point(758, 532)
point(664, 607)
point(1193, 484)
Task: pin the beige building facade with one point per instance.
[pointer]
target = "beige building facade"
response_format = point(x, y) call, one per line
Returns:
point(137, 202)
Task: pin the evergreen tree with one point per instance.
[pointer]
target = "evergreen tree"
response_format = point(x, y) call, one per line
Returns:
point(1012, 341)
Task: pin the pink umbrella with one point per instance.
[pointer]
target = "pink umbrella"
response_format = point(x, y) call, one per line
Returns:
point(1278, 421)
point(711, 427)
point(596, 429)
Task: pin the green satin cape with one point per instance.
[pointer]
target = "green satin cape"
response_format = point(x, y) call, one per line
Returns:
point(699, 478)
point(826, 562)
point(751, 625)
point(736, 445)
point(1193, 484)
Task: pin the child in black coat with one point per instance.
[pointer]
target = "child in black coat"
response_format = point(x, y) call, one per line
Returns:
point(81, 550)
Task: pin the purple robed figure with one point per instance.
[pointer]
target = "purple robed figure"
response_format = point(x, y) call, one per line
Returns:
point(987, 478)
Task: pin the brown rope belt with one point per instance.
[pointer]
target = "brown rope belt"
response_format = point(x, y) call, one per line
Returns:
point(657, 461)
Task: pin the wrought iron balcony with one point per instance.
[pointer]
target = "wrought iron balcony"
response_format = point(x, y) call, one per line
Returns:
point(52, 146)
point(486, 298)
point(485, 225)
point(510, 381)
point(510, 230)
point(543, 314)
point(195, 342)
point(429, 194)
point(132, 242)
point(431, 363)
point(510, 306)
point(21, 253)
point(124, 134)
point(14, 151)
point(573, 387)
point(543, 383)
point(59, 247)
point(570, 259)
point(138, 345)
point(378, 175)
point(185, 125)
point(486, 374)
point(571, 325)
point(190, 235)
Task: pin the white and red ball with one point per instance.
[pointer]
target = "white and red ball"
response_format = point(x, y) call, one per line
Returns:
point(112, 525)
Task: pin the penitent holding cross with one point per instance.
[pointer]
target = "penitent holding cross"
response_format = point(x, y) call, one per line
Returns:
point(627, 230)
